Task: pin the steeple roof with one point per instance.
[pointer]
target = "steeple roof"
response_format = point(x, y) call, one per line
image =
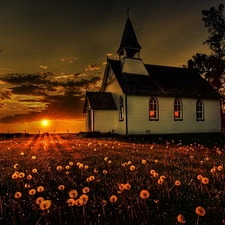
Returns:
point(129, 39)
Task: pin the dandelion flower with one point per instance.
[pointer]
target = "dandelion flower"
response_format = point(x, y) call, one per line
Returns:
point(219, 168)
point(88, 179)
point(78, 202)
point(110, 162)
point(127, 186)
point(181, 219)
point(45, 204)
point(34, 170)
point(92, 178)
point(15, 176)
point(73, 194)
point(105, 171)
point(160, 181)
point(156, 161)
point(33, 157)
point(86, 190)
point(143, 161)
point(81, 165)
point(70, 163)
point(199, 177)
point(67, 172)
point(152, 172)
point(213, 170)
point(200, 211)
point(29, 177)
point(86, 167)
point(106, 158)
point(113, 199)
point(17, 194)
point(21, 175)
point(132, 168)
point(59, 168)
point(95, 170)
point(205, 180)
point(162, 177)
point(61, 187)
point(40, 189)
point(177, 183)
point(155, 175)
point(84, 199)
point(39, 200)
point(67, 167)
point(22, 153)
point(71, 202)
point(26, 185)
point(121, 187)
point(32, 192)
point(129, 162)
point(15, 165)
point(144, 194)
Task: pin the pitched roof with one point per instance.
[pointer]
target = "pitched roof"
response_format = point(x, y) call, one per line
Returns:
point(100, 101)
point(129, 39)
point(163, 81)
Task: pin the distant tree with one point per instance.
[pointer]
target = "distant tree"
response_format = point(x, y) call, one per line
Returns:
point(212, 67)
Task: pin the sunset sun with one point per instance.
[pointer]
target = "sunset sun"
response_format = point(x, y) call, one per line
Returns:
point(44, 122)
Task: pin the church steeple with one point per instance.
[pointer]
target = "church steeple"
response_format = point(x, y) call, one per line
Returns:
point(129, 45)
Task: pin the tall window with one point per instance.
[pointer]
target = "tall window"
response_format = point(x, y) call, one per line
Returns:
point(199, 110)
point(153, 109)
point(178, 112)
point(121, 109)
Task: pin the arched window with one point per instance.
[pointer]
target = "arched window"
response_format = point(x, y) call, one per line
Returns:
point(121, 109)
point(178, 111)
point(199, 110)
point(153, 108)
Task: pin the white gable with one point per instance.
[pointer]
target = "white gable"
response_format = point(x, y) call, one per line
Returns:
point(134, 66)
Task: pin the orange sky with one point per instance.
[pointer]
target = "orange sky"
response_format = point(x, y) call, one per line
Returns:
point(53, 51)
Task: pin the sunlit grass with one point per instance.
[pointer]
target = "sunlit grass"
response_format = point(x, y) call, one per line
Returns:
point(50, 180)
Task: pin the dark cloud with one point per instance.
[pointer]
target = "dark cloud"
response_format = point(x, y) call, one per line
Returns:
point(5, 95)
point(28, 90)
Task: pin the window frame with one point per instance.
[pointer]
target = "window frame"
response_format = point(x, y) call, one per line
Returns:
point(153, 109)
point(121, 109)
point(177, 109)
point(200, 103)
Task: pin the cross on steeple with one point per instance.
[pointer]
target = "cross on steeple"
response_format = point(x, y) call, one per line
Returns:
point(128, 10)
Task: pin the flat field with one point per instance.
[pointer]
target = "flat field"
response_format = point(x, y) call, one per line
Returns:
point(58, 181)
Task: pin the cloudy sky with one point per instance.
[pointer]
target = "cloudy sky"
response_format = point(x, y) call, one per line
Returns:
point(52, 51)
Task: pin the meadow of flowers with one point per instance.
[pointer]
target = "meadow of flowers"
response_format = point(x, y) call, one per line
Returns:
point(57, 181)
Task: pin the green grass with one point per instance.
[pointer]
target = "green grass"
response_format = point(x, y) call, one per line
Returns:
point(173, 156)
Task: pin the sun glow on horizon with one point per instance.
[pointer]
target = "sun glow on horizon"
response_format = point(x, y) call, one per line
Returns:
point(44, 122)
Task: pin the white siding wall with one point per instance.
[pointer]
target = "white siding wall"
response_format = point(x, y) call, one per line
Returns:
point(138, 119)
point(116, 91)
point(105, 120)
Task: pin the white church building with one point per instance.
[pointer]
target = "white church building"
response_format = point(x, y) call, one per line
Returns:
point(139, 98)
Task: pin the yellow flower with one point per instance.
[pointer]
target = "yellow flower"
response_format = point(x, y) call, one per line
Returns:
point(61, 187)
point(71, 202)
point(22, 153)
point(29, 177)
point(86, 190)
point(144, 194)
point(73, 194)
point(92, 178)
point(121, 187)
point(67, 167)
point(205, 180)
point(129, 162)
point(59, 167)
point(160, 181)
point(152, 172)
point(105, 171)
point(113, 199)
point(220, 168)
point(81, 165)
point(86, 167)
point(199, 177)
point(106, 158)
point(127, 186)
point(200, 211)
point(181, 219)
point(34, 170)
point(17, 194)
point(143, 161)
point(177, 183)
point(67, 172)
point(162, 177)
point(15, 165)
point(88, 179)
point(132, 168)
point(32, 192)
point(213, 170)
point(78, 202)
point(45, 204)
point(156, 161)
point(70, 163)
point(40, 189)
point(84, 199)
point(39, 200)
point(15, 176)
point(33, 157)
point(95, 170)
point(21, 175)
